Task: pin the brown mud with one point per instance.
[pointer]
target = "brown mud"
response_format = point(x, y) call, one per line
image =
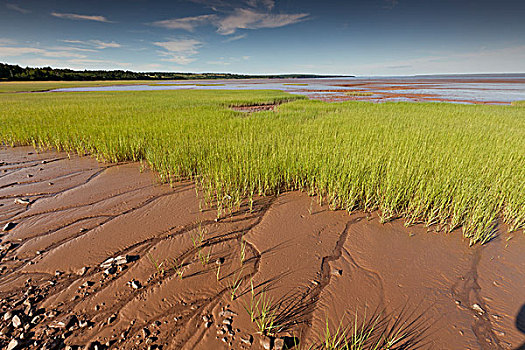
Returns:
point(102, 254)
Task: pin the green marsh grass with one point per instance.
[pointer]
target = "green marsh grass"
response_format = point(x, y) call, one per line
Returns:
point(28, 86)
point(433, 163)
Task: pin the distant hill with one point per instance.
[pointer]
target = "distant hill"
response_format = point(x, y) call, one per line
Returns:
point(14, 72)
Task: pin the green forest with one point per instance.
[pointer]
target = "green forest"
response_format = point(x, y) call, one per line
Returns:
point(16, 73)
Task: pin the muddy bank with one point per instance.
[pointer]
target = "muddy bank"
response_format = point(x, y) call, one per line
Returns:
point(103, 254)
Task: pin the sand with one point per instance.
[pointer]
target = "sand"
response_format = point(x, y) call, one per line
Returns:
point(71, 214)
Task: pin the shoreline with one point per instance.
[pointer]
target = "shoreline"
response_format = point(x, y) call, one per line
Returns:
point(81, 213)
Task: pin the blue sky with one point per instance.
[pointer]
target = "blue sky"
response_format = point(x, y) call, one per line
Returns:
point(373, 37)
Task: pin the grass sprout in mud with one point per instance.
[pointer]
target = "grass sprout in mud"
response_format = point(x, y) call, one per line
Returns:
point(446, 165)
point(380, 331)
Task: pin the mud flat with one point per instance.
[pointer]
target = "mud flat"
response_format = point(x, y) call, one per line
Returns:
point(103, 255)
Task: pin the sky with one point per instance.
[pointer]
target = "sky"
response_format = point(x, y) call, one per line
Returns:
point(363, 38)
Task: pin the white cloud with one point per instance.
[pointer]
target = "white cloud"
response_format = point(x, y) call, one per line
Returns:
point(186, 23)
point(97, 44)
point(75, 16)
point(234, 38)
point(17, 8)
point(268, 4)
point(179, 51)
point(251, 19)
point(18, 51)
point(240, 18)
point(5, 41)
point(7, 51)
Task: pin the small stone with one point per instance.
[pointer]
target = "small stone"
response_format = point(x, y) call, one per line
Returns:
point(88, 284)
point(247, 339)
point(278, 344)
point(205, 318)
point(112, 318)
point(7, 316)
point(208, 324)
point(9, 226)
point(478, 309)
point(227, 321)
point(135, 284)
point(224, 340)
point(82, 324)
point(145, 332)
point(82, 271)
point(22, 201)
point(17, 322)
point(266, 343)
point(110, 271)
point(227, 313)
point(13, 344)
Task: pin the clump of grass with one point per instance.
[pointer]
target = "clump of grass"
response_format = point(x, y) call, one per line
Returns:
point(235, 283)
point(440, 164)
point(242, 256)
point(518, 103)
point(381, 331)
point(158, 266)
point(262, 312)
point(358, 93)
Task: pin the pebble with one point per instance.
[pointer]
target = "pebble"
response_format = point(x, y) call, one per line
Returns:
point(135, 284)
point(478, 309)
point(227, 313)
point(247, 339)
point(112, 318)
point(278, 344)
point(266, 343)
point(82, 271)
point(13, 344)
point(7, 316)
point(22, 201)
point(17, 322)
point(9, 226)
point(227, 321)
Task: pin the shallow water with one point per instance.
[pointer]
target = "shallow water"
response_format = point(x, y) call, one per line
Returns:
point(494, 89)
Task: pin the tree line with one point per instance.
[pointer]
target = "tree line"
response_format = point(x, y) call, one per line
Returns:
point(10, 72)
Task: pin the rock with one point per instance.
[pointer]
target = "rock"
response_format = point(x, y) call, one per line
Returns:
point(82, 271)
point(110, 271)
point(247, 339)
point(266, 343)
point(13, 344)
point(478, 309)
point(145, 332)
point(205, 318)
point(119, 260)
point(82, 324)
point(278, 344)
point(17, 322)
point(107, 263)
point(88, 284)
point(9, 226)
point(112, 318)
point(227, 313)
point(227, 321)
point(22, 201)
point(135, 284)
point(7, 316)
point(208, 324)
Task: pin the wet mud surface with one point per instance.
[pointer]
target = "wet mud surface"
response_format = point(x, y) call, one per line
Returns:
point(102, 255)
